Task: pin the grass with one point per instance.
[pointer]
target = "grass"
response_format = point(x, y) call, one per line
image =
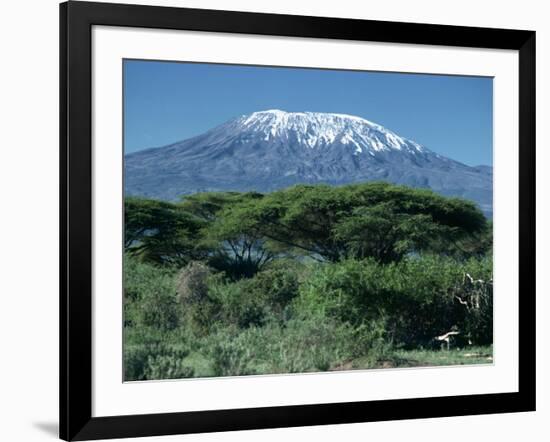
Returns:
point(204, 365)
point(428, 358)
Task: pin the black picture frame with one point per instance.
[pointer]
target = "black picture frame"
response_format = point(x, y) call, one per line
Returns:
point(76, 21)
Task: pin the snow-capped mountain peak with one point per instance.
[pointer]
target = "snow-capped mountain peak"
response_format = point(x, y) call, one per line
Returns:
point(273, 149)
point(317, 129)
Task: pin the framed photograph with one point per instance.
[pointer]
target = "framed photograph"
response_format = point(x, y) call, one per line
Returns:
point(273, 220)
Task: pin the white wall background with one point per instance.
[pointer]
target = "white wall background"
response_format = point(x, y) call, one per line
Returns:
point(29, 218)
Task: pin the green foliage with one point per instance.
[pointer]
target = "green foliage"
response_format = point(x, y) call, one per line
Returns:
point(318, 345)
point(135, 362)
point(155, 361)
point(387, 234)
point(160, 232)
point(310, 278)
point(157, 353)
point(476, 245)
point(167, 367)
point(232, 353)
point(296, 346)
point(236, 303)
point(378, 220)
point(476, 296)
point(207, 205)
point(209, 299)
point(418, 297)
point(232, 242)
point(277, 286)
point(149, 295)
point(240, 233)
point(308, 345)
point(236, 243)
point(159, 309)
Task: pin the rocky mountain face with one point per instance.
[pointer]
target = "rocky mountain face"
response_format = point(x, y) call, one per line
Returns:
point(269, 150)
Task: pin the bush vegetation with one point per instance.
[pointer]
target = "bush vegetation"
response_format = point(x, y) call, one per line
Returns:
point(310, 278)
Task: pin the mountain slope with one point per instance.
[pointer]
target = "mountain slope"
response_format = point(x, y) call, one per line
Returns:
point(269, 150)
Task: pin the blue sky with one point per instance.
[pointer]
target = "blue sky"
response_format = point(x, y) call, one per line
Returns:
point(165, 102)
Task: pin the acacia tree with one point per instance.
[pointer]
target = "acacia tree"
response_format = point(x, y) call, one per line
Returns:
point(234, 242)
point(377, 220)
point(161, 232)
point(241, 232)
point(207, 205)
point(385, 234)
point(237, 244)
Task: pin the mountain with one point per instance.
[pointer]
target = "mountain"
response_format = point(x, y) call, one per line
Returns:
point(272, 149)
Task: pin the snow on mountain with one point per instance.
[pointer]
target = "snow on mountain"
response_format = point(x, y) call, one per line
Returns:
point(316, 129)
point(272, 149)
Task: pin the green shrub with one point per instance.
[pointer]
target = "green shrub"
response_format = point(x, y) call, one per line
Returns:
point(296, 315)
point(294, 347)
point(418, 297)
point(153, 353)
point(232, 353)
point(476, 296)
point(370, 341)
point(246, 302)
point(167, 367)
point(277, 285)
point(156, 360)
point(140, 278)
point(149, 296)
point(308, 345)
point(159, 309)
point(135, 362)
point(237, 303)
